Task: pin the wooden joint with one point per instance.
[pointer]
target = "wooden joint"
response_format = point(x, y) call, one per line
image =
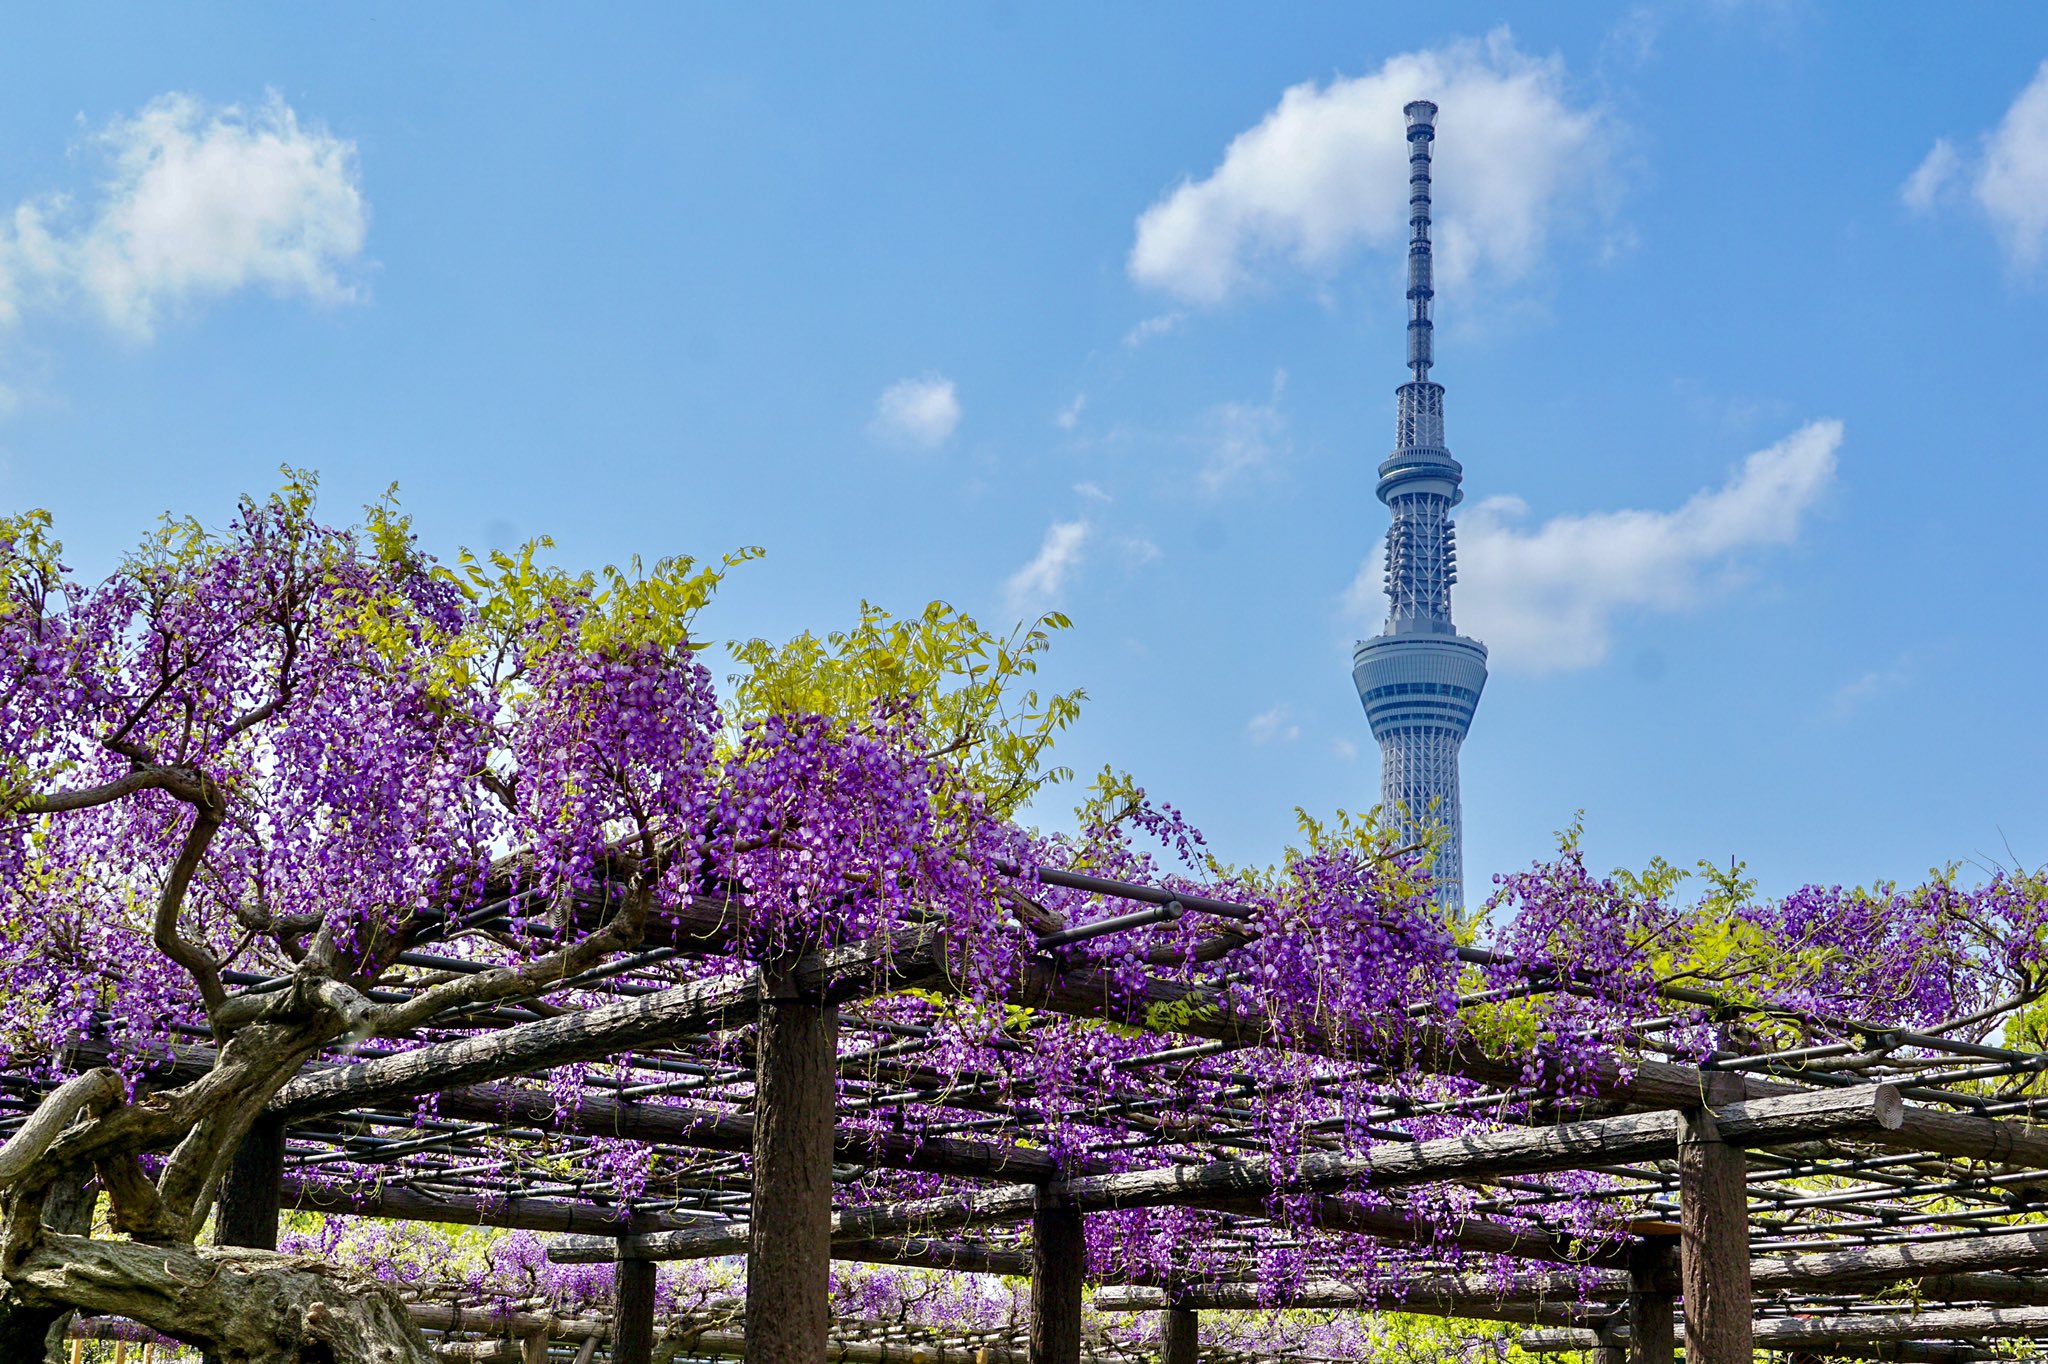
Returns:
point(1052, 1196)
point(1653, 1266)
point(1719, 1087)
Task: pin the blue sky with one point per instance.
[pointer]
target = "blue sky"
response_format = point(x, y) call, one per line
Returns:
point(1100, 308)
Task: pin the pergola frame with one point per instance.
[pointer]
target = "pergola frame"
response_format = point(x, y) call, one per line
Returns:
point(1729, 1157)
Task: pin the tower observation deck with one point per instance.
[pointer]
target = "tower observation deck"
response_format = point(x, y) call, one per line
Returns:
point(1419, 678)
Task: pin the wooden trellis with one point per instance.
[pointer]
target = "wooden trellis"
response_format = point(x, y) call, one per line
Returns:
point(1788, 1203)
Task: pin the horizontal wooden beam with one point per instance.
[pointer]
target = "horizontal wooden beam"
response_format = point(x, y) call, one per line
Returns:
point(399, 1204)
point(706, 1129)
point(593, 1034)
point(1470, 1293)
point(1500, 1154)
point(1333, 1212)
point(1868, 1266)
point(691, 1345)
point(1920, 1266)
point(855, 1227)
point(1958, 1323)
point(597, 1114)
point(1546, 1299)
point(1630, 1083)
point(439, 1316)
point(1337, 1214)
point(1579, 1340)
point(1227, 1184)
point(1640, 1084)
point(1933, 1336)
point(2006, 1288)
point(563, 1217)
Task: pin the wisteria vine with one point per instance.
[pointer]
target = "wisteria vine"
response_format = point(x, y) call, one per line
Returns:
point(376, 747)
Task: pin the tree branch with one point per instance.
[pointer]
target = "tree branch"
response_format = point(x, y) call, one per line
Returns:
point(170, 904)
point(306, 996)
point(89, 1092)
point(145, 777)
point(133, 1206)
point(534, 977)
point(288, 658)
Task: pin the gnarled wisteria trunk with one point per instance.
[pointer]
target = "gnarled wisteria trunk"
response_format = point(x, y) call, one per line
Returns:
point(241, 1306)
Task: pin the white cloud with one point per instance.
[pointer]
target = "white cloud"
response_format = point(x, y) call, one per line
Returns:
point(1243, 439)
point(1932, 176)
point(1092, 492)
point(1345, 749)
point(1547, 598)
point(1138, 551)
point(1044, 580)
point(1070, 415)
point(1632, 41)
point(1324, 173)
point(1853, 696)
point(198, 202)
point(2012, 186)
point(2007, 179)
point(1273, 726)
point(921, 412)
point(1152, 328)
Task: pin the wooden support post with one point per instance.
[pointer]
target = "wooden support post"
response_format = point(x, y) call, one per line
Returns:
point(1059, 1263)
point(251, 1192)
point(789, 1250)
point(534, 1349)
point(1713, 1203)
point(1610, 1350)
point(1650, 1304)
point(633, 1313)
point(1180, 1336)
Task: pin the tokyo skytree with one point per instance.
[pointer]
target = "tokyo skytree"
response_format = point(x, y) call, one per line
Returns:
point(1419, 678)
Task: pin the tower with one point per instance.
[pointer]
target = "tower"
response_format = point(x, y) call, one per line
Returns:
point(1419, 678)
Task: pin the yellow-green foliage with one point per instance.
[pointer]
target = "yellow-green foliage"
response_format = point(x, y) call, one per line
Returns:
point(523, 604)
point(968, 683)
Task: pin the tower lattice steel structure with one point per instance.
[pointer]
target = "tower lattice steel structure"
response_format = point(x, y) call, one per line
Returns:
point(1419, 678)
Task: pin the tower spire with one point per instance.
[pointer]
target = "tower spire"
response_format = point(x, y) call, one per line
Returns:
point(1421, 287)
point(1419, 679)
